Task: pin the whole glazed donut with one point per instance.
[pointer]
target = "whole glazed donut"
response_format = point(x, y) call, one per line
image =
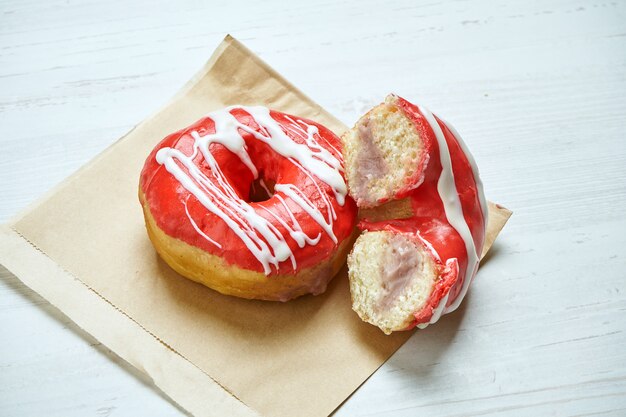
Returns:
point(423, 214)
point(250, 202)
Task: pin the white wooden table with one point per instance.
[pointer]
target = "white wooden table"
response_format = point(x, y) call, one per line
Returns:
point(538, 89)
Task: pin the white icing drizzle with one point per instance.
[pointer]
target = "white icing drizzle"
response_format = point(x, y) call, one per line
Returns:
point(299, 198)
point(446, 188)
point(437, 312)
point(479, 184)
point(303, 127)
point(295, 231)
point(428, 245)
point(260, 236)
point(195, 226)
point(311, 155)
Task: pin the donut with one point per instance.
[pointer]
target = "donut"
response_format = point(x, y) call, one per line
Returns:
point(423, 215)
point(250, 202)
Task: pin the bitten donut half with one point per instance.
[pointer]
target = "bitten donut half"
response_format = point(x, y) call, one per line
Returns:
point(423, 216)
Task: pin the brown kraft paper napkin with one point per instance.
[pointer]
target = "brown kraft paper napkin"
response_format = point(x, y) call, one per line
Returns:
point(84, 248)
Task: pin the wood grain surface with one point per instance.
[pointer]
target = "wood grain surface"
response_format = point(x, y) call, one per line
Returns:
point(538, 91)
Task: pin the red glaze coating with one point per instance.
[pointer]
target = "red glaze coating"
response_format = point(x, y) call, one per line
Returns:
point(166, 196)
point(429, 219)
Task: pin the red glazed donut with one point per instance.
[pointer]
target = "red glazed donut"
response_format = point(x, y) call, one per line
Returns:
point(200, 188)
point(424, 216)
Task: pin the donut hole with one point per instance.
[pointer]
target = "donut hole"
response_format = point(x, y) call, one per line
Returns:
point(261, 189)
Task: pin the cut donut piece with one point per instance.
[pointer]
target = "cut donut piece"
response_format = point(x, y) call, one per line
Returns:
point(422, 211)
point(392, 276)
point(384, 155)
